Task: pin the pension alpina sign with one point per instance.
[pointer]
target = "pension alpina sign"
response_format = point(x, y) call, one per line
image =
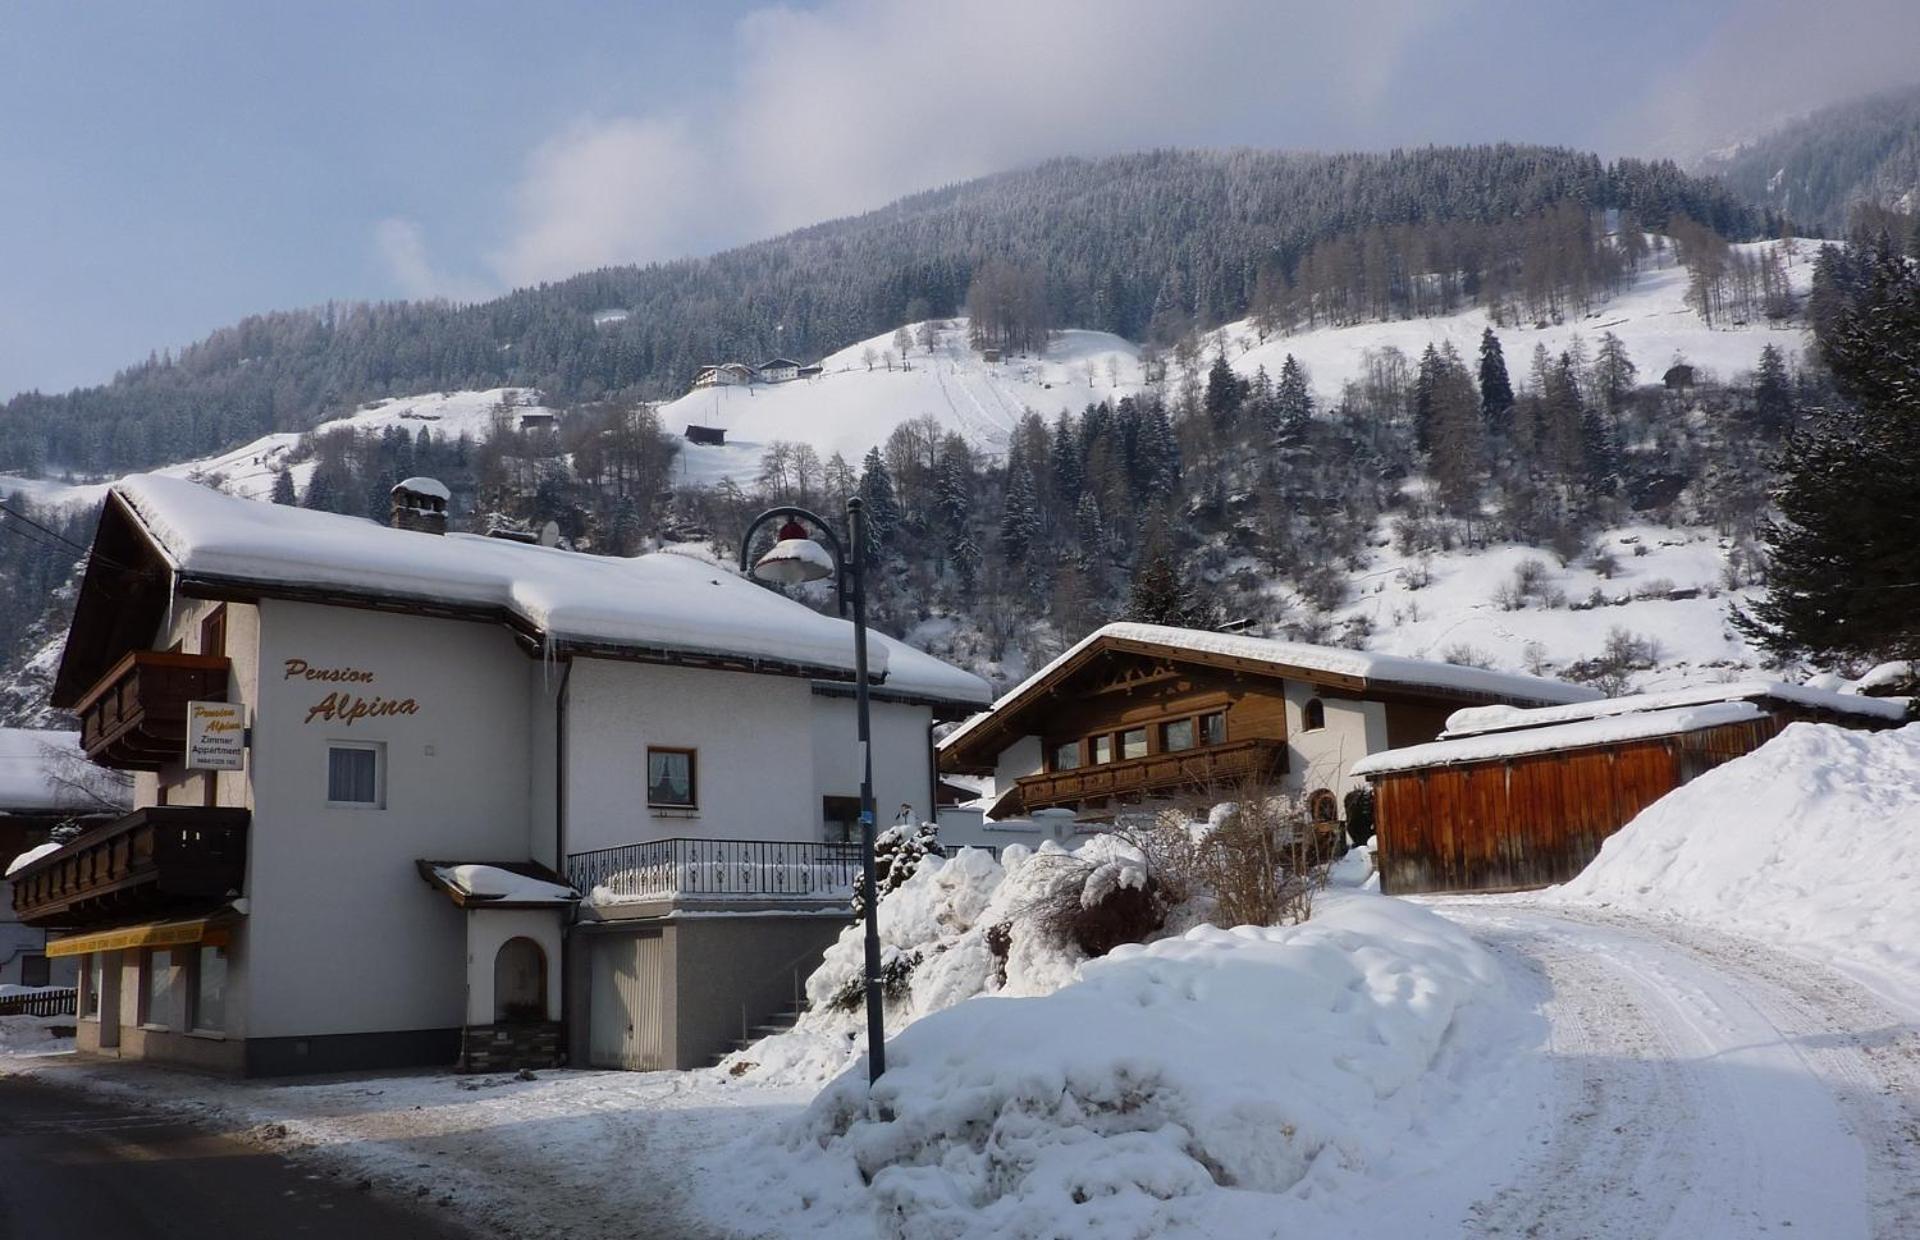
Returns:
point(216, 736)
point(340, 706)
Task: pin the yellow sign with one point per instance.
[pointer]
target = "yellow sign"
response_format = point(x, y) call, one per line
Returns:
point(150, 934)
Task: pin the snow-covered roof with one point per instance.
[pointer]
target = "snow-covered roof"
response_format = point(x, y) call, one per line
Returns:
point(1582, 734)
point(1480, 720)
point(484, 884)
point(1375, 669)
point(425, 486)
point(48, 772)
point(670, 603)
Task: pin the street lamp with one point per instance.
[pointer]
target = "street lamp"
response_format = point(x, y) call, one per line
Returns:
point(797, 558)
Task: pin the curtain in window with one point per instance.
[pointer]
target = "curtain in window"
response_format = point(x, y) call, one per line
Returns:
point(670, 778)
point(352, 775)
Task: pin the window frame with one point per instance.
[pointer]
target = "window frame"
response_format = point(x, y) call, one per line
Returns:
point(1079, 747)
point(1192, 724)
point(213, 632)
point(92, 979)
point(1094, 744)
point(1201, 739)
point(379, 751)
point(149, 999)
point(693, 777)
point(196, 972)
point(1310, 709)
point(1120, 743)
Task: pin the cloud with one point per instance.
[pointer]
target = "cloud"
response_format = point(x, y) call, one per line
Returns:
point(403, 247)
point(839, 109)
point(1769, 60)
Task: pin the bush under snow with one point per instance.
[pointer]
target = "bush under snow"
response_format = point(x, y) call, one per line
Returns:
point(1811, 841)
point(1126, 1102)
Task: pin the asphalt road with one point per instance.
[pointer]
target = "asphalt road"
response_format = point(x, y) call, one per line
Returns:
point(73, 1168)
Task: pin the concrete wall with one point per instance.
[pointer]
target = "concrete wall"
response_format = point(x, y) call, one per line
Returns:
point(1324, 757)
point(344, 937)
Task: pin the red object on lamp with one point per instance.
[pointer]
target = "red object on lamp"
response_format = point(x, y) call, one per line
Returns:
point(792, 529)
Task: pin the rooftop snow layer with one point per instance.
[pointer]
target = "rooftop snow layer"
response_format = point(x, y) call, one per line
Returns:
point(44, 771)
point(1479, 720)
point(664, 601)
point(1333, 660)
point(1583, 734)
point(491, 882)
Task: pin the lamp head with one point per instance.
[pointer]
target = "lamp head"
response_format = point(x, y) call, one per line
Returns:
point(794, 559)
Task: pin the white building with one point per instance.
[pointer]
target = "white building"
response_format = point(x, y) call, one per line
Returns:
point(447, 738)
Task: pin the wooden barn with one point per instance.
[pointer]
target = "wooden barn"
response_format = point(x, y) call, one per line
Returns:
point(1512, 799)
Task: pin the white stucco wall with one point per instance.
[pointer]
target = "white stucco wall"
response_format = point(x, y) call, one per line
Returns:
point(754, 767)
point(1324, 757)
point(344, 936)
point(901, 757)
point(1017, 761)
point(487, 929)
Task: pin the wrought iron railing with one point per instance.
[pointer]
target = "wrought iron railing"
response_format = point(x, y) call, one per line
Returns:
point(683, 868)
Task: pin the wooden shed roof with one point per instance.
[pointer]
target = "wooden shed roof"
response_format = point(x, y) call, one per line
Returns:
point(1558, 738)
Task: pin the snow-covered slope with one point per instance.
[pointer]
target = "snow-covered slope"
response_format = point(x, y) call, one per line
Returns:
point(249, 469)
point(853, 405)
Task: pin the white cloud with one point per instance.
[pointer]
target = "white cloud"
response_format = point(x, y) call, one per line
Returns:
point(403, 247)
point(840, 109)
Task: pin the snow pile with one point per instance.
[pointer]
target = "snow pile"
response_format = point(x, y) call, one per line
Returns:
point(962, 926)
point(1811, 841)
point(30, 856)
point(33, 1035)
point(1128, 1102)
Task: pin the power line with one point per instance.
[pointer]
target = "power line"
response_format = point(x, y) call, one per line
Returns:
point(62, 541)
point(54, 534)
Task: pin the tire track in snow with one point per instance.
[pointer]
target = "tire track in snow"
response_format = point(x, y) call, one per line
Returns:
point(1708, 1086)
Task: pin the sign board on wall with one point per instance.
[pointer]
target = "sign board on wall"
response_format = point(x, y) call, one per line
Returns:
point(216, 736)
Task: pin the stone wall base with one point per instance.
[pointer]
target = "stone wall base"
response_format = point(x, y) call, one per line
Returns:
point(508, 1048)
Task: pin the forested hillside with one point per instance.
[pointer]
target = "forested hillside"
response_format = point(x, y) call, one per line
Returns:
point(1819, 169)
point(1146, 246)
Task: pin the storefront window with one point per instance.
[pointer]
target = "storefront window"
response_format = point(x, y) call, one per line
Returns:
point(156, 988)
point(209, 989)
point(90, 983)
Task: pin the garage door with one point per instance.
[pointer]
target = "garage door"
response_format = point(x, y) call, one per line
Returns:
point(628, 1010)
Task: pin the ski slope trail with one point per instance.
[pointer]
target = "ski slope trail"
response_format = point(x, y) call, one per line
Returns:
point(1695, 1085)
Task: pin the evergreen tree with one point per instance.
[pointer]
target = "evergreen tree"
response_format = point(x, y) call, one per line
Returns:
point(283, 491)
point(1088, 530)
point(1159, 454)
point(1067, 474)
point(1496, 387)
point(321, 494)
point(883, 506)
point(1020, 518)
point(1293, 399)
point(1225, 392)
point(1459, 436)
point(1426, 381)
point(1157, 594)
point(1613, 374)
point(1845, 548)
point(1772, 393)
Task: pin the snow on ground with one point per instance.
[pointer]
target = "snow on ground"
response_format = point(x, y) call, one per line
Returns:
point(1651, 317)
point(26, 1037)
point(1811, 842)
point(1666, 583)
point(1189, 1087)
point(851, 407)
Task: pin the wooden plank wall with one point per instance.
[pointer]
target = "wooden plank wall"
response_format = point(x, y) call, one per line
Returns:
point(1534, 820)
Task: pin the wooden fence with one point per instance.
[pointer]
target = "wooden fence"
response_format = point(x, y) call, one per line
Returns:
point(52, 1002)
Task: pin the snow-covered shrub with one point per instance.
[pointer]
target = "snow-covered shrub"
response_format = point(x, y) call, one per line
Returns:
point(897, 853)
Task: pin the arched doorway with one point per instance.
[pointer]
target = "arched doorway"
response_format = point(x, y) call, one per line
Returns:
point(519, 982)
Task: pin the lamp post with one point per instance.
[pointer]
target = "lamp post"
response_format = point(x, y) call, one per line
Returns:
point(797, 558)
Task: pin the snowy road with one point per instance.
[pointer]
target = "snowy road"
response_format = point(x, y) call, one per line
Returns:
point(1695, 1085)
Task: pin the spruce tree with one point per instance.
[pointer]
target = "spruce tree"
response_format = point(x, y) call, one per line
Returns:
point(1425, 382)
point(1294, 399)
point(283, 490)
point(883, 506)
point(1225, 392)
point(1613, 374)
point(1844, 549)
point(1772, 393)
point(1067, 475)
point(1020, 518)
point(1496, 386)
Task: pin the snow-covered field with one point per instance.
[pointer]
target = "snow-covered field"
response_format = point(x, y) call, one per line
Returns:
point(249, 470)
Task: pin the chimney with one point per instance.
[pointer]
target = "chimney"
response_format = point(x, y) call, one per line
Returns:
point(420, 504)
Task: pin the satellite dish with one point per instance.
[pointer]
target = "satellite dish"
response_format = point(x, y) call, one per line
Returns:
point(550, 534)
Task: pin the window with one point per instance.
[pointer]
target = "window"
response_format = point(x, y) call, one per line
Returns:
point(1213, 728)
point(1133, 743)
point(90, 982)
point(354, 774)
point(156, 988)
point(842, 815)
point(1102, 748)
point(213, 632)
point(1313, 716)
point(209, 989)
point(34, 970)
point(1176, 736)
point(670, 775)
point(1066, 756)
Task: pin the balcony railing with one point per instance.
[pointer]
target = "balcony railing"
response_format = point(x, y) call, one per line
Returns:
point(1200, 769)
point(135, 718)
point(155, 861)
point(717, 870)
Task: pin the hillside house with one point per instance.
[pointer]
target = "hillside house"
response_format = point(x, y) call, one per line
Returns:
point(1511, 799)
point(46, 785)
point(778, 370)
point(1138, 713)
point(726, 374)
point(413, 797)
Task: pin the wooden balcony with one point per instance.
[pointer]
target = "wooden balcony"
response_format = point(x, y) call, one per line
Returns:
point(135, 718)
point(1162, 774)
point(154, 862)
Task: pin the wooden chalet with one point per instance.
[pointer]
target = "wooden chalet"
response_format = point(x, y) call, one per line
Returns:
point(1141, 712)
point(1509, 800)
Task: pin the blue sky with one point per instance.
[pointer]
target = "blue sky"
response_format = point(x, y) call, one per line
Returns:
point(167, 168)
